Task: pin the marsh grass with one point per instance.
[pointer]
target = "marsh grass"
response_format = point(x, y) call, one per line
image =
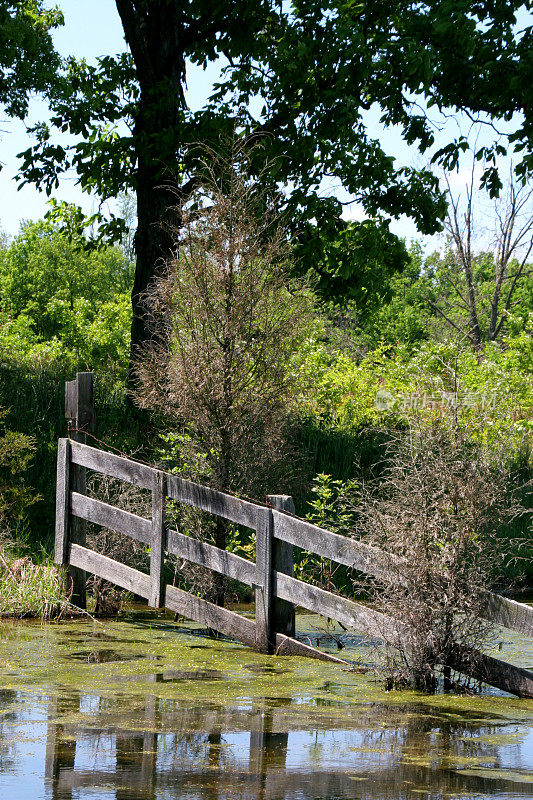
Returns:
point(31, 590)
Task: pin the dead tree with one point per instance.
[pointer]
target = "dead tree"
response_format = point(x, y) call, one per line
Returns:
point(483, 310)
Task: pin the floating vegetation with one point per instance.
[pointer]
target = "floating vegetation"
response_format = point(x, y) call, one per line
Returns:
point(157, 711)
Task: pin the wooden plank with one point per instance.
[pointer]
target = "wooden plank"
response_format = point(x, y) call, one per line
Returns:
point(263, 581)
point(149, 751)
point(207, 499)
point(284, 618)
point(126, 577)
point(62, 501)
point(268, 750)
point(491, 670)
point(221, 619)
point(207, 555)
point(110, 464)
point(157, 543)
point(234, 625)
point(350, 552)
point(79, 410)
point(508, 613)
point(114, 519)
point(386, 566)
point(351, 614)
point(71, 399)
point(287, 646)
point(500, 674)
point(370, 560)
point(205, 613)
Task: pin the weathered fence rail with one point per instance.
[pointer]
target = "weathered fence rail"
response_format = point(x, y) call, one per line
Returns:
point(277, 591)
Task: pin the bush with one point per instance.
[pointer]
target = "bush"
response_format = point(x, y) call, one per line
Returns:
point(16, 453)
point(437, 512)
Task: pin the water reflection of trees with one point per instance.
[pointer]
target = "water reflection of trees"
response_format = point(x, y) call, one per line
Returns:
point(213, 753)
point(7, 719)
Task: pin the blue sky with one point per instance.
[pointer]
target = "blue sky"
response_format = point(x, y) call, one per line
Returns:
point(92, 28)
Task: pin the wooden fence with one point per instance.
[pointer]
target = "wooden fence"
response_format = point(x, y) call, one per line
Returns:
point(277, 591)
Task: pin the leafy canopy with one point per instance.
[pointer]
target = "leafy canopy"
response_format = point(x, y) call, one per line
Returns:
point(58, 297)
point(28, 60)
point(302, 77)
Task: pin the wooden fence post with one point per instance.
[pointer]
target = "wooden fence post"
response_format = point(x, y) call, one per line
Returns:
point(263, 582)
point(79, 411)
point(62, 501)
point(158, 544)
point(283, 561)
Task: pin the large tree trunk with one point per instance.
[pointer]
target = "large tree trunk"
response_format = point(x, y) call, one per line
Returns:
point(154, 33)
point(154, 242)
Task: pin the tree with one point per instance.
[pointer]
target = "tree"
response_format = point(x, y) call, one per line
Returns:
point(43, 267)
point(301, 79)
point(56, 297)
point(403, 318)
point(28, 59)
point(221, 367)
point(481, 289)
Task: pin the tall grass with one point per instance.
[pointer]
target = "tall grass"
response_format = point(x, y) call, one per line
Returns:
point(30, 590)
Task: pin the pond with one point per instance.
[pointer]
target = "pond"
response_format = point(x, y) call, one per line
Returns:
point(140, 707)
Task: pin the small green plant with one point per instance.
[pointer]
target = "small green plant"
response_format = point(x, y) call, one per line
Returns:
point(328, 506)
point(331, 508)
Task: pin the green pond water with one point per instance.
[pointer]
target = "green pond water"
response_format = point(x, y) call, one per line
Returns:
point(140, 707)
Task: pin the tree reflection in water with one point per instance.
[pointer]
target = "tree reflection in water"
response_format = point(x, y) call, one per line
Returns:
point(214, 753)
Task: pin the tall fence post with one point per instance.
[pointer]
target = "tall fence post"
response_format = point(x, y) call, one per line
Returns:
point(62, 501)
point(79, 411)
point(158, 544)
point(283, 561)
point(263, 582)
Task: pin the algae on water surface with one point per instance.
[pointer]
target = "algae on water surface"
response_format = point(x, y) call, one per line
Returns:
point(143, 707)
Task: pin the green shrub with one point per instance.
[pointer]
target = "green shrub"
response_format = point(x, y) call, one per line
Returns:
point(16, 453)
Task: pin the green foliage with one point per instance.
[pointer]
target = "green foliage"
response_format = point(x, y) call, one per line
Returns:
point(299, 77)
point(28, 60)
point(328, 506)
point(358, 407)
point(404, 317)
point(33, 390)
point(16, 454)
point(331, 507)
point(42, 264)
point(446, 275)
point(356, 265)
point(30, 590)
point(493, 395)
point(312, 70)
point(62, 301)
point(63, 307)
